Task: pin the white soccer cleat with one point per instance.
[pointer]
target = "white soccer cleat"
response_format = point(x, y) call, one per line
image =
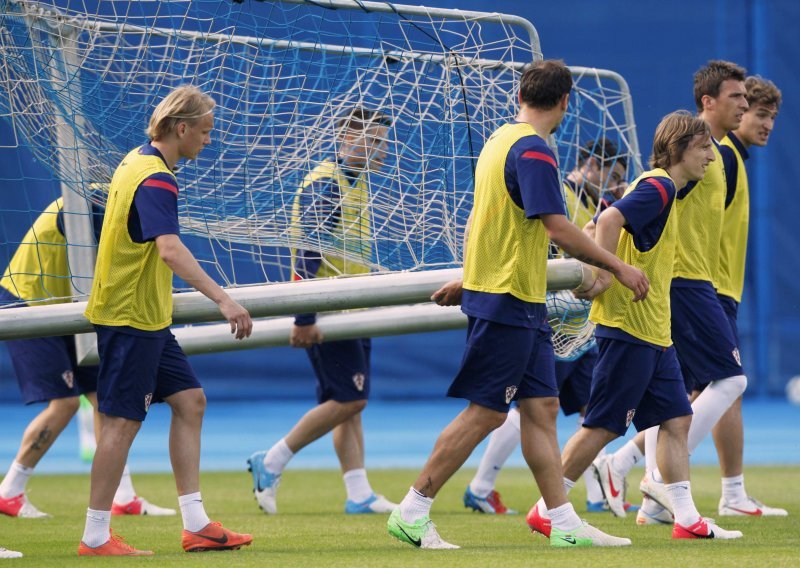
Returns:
point(20, 507)
point(585, 535)
point(265, 483)
point(749, 508)
point(612, 484)
point(140, 506)
point(704, 528)
point(422, 533)
point(656, 491)
point(651, 513)
point(6, 553)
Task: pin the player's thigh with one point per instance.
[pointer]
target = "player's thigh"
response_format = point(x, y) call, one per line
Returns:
point(665, 397)
point(620, 379)
point(496, 357)
point(128, 371)
point(704, 341)
point(342, 369)
point(44, 368)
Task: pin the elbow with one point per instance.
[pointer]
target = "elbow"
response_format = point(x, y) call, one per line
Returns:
point(168, 253)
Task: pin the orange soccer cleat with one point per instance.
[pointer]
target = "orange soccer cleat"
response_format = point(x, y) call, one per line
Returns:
point(214, 537)
point(115, 546)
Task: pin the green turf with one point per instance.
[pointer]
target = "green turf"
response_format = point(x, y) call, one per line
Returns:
point(311, 529)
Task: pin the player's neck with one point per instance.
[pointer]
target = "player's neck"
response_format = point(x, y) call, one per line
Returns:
point(542, 121)
point(168, 151)
point(717, 131)
point(677, 176)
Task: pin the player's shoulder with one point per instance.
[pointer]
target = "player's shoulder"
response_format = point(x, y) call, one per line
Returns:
point(533, 148)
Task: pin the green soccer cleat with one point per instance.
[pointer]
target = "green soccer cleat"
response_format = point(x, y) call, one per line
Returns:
point(421, 534)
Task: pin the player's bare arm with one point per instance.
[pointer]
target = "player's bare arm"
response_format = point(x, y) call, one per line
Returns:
point(175, 255)
point(578, 245)
point(304, 336)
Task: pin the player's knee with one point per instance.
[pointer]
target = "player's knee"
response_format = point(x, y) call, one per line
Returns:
point(732, 387)
point(65, 407)
point(353, 407)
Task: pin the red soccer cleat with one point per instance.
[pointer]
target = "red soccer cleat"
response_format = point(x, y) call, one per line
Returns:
point(537, 523)
point(214, 537)
point(114, 546)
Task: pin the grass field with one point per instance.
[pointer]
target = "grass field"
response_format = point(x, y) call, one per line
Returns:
point(311, 529)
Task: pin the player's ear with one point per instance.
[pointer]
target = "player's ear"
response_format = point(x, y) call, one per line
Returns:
point(708, 102)
point(565, 102)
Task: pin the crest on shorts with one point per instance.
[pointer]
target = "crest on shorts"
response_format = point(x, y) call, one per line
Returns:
point(737, 356)
point(629, 417)
point(69, 378)
point(510, 392)
point(148, 398)
point(358, 380)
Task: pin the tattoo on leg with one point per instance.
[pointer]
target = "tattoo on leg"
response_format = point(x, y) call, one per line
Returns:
point(427, 487)
point(42, 440)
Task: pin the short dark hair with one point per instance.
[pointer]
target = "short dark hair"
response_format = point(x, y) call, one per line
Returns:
point(709, 79)
point(601, 148)
point(361, 119)
point(762, 91)
point(673, 135)
point(544, 83)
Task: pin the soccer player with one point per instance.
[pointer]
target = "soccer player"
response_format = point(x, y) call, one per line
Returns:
point(706, 346)
point(130, 306)
point(46, 368)
point(597, 180)
point(637, 378)
point(331, 207)
point(764, 100)
point(518, 208)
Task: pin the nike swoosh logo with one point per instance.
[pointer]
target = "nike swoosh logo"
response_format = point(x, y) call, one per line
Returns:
point(415, 541)
point(219, 540)
point(614, 490)
point(755, 513)
point(569, 539)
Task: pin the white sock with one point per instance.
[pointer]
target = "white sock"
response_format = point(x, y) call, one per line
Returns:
point(277, 457)
point(564, 517)
point(544, 512)
point(625, 458)
point(594, 493)
point(357, 486)
point(502, 444)
point(680, 496)
point(15, 480)
point(125, 492)
point(733, 489)
point(193, 512)
point(712, 403)
point(415, 506)
point(98, 528)
point(650, 445)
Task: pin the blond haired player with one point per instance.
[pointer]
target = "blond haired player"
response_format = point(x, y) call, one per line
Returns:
point(131, 308)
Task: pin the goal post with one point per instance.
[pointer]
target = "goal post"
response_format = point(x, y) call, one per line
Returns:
point(82, 78)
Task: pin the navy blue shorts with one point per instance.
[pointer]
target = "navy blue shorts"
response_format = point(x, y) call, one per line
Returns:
point(574, 379)
point(137, 369)
point(46, 367)
point(701, 330)
point(502, 363)
point(731, 309)
point(342, 369)
point(637, 384)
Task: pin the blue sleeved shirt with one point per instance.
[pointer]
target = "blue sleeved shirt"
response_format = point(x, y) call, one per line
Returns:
point(731, 165)
point(532, 179)
point(646, 210)
point(154, 211)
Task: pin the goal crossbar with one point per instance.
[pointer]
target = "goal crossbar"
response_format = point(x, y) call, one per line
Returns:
point(322, 295)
